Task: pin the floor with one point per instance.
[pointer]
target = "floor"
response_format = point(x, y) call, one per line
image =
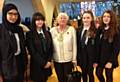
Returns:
point(116, 75)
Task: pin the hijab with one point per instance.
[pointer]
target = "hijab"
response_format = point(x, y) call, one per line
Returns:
point(13, 27)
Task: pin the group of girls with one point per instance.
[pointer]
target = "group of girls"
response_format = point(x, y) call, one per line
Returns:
point(99, 48)
point(87, 47)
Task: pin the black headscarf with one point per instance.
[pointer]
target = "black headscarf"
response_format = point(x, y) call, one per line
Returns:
point(10, 26)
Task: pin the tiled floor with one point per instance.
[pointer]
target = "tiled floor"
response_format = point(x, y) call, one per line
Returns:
point(116, 75)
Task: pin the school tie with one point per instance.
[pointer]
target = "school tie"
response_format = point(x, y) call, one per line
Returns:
point(43, 41)
point(83, 39)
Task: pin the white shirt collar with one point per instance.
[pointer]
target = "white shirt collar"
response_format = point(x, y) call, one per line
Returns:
point(106, 28)
point(85, 28)
point(40, 31)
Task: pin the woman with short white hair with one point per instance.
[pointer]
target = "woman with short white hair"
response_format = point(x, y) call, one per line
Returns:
point(64, 41)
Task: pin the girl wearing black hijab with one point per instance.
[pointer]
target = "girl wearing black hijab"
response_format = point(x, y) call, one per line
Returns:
point(40, 47)
point(12, 46)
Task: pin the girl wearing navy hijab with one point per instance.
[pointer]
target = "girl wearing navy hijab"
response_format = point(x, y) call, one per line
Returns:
point(12, 46)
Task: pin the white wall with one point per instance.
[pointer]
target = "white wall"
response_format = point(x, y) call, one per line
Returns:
point(25, 7)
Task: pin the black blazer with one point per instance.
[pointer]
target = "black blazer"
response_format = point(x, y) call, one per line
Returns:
point(8, 63)
point(85, 54)
point(107, 51)
point(39, 57)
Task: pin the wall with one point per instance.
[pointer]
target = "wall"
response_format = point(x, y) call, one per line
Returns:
point(1, 5)
point(24, 6)
point(38, 6)
point(48, 6)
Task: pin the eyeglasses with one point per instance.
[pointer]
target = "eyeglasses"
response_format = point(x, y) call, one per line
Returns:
point(11, 14)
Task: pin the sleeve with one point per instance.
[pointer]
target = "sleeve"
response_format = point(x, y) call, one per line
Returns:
point(79, 45)
point(74, 45)
point(31, 49)
point(50, 48)
point(0, 62)
point(24, 50)
point(77, 35)
point(97, 45)
point(116, 48)
point(1, 50)
point(0, 53)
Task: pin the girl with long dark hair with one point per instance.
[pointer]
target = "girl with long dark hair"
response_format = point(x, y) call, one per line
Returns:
point(86, 44)
point(108, 46)
point(39, 44)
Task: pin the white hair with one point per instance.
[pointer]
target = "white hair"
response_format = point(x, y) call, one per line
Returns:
point(62, 14)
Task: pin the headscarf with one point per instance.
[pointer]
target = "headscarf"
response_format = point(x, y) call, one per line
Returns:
point(10, 26)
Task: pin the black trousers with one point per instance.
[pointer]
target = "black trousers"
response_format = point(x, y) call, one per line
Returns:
point(62, 70)
point(86, 65)
point(87, 71)
point(9, 80)
point(41, 79)
point(86, 61)
point(108, 74)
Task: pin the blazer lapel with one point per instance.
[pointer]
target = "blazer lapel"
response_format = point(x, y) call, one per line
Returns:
point(80, 32)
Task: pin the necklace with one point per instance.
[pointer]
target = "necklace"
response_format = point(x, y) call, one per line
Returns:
point(60, 34)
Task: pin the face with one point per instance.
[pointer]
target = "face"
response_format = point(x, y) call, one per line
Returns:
point(39, 23)
point(87, 19)
point(106, 18)
point(12, 16)
point(62, 20)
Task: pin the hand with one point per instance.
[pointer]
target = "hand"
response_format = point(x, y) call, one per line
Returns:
point(47, 65)
point(108, 65)
point(1, 79)
point(74, 63)
point(95, 65)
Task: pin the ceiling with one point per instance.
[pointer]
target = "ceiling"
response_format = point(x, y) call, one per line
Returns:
point(77, 0)
point(69, 0)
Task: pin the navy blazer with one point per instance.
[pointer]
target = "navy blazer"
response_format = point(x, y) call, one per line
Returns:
point(107, 51)
point(88, 53)
point(8, 60)
point(39, 57)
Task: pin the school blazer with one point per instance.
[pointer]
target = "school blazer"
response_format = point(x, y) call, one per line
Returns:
point(69, 48)
point(89, 50)
point(39, 57)
point(8, 67)
point(107, 51)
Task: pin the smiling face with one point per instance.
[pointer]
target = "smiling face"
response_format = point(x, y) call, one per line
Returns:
point(106, 18)
point(39, 23)
point(62, 20)
point(12, 16)
point(87, 19)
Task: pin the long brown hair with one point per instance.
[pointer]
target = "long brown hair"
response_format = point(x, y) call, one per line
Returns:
point(92, 30)
point(113, 29)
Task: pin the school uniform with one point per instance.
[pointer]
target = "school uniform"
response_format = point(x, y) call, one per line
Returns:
point(12, 48)
point(108, 52)
point(86, 47)
point(40, 49)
